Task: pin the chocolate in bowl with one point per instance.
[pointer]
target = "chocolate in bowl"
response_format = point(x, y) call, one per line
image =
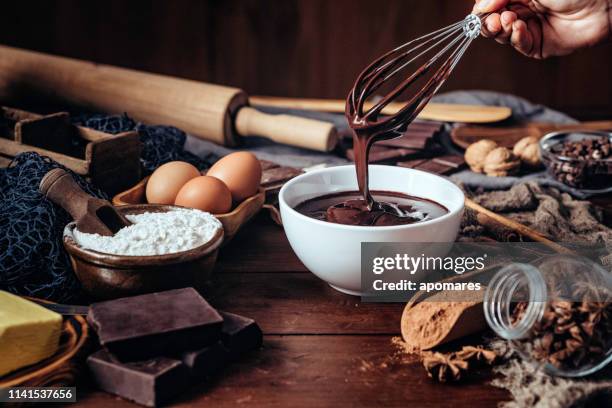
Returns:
point(579, 159)
point(332, 251)
point(349, 208)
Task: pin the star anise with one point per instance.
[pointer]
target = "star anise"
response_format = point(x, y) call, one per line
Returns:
point(453, 366)
point(445, 367)
point(477, 355)
point(571, 334)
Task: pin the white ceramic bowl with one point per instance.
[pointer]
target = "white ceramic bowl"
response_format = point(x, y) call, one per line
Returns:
point(333, 251)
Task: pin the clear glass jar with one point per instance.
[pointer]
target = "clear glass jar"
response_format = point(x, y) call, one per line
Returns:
point(594, 173)
point(556, 314)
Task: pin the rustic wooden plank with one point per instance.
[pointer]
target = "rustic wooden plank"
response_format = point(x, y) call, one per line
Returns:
point(315, 50)
point(52, 132)
point(325, 371)
point(5, 161)
point(300, 303)
point(11, 148)
point(114, 161)
point(260, 246)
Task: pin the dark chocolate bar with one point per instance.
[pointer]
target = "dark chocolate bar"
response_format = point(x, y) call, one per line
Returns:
point(151, 382)
point(381, 153)
point(141, 327)
point(206, 361)
point(277, 176)
point(418, 141)
point(266, 165)
point(240, 334)
point(451, 160)
point(442, 165)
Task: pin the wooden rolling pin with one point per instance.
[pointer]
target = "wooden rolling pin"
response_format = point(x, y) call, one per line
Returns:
point(442, 112)
point(212, 112)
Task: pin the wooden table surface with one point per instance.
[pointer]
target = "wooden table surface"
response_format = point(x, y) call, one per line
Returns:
point(321, 348)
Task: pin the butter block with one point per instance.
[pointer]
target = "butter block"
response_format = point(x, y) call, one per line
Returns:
point(29, 333)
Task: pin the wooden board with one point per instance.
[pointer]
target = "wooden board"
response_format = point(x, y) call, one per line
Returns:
point(324, 371)
point(463, 136)
point(112, 162)
point(321, 347)
point(232, 221)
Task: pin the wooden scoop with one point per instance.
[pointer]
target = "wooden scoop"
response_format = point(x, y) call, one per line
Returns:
point(92, 215)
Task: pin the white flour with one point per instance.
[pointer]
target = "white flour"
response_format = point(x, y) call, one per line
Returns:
point(155, 234)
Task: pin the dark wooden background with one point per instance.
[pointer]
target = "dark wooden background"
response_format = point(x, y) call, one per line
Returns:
point(308, 48)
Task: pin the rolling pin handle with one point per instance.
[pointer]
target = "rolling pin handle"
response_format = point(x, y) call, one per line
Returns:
point(291, 130)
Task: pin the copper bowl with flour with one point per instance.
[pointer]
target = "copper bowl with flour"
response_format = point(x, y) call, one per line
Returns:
point(109, 276)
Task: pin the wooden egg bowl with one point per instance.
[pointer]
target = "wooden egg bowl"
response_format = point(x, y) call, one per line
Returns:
point(232, 221)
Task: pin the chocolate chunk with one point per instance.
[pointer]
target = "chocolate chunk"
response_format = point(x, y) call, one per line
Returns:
point(277, 176)
point(151, 382)
point(266, 165)
point(240, 334)
point(418, 141)
point(450, 160)
point(381, 153)
point(206, 361)
point(435, 167)
point(412, 164)
point(142, 327)
point(442, 165)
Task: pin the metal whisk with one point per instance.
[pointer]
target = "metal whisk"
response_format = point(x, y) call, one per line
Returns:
point(450, 42)
point(444, 47)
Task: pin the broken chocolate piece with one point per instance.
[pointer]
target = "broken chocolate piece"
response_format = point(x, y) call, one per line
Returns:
point(206, 361)
point(418, 141)
point(442, 165)
point(278, 176)
point(240, 334)
point(450, 160)
point(146, 326)
point(266, 165)
point(381, 153)
point(151, 382)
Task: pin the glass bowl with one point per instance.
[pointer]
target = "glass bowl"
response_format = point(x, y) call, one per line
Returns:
point(590, 173)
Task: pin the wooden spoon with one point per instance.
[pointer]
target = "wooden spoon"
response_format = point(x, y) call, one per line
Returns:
point(442, 112)
point(92, 215)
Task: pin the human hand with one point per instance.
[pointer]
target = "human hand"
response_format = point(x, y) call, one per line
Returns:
point(546, 28)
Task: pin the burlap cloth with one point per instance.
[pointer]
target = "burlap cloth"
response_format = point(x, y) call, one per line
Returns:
point(535, 201)
point(561, 218)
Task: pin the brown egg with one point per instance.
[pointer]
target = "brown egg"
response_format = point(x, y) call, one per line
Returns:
point(165, 182)
point(241, 173)
point(205, 193)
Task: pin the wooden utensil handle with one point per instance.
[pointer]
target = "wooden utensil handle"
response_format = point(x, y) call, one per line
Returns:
point(518, 227)
point(433, 111)
point(59, 186)
point(286, 129)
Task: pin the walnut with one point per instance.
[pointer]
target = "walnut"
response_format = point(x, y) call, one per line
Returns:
point(476, 152)
point(528, 150)
point(501, 162)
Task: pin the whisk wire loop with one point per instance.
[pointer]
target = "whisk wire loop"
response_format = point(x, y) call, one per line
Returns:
point(450, 42)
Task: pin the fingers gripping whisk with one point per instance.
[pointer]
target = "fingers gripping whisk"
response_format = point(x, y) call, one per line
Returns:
point(440, 50)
